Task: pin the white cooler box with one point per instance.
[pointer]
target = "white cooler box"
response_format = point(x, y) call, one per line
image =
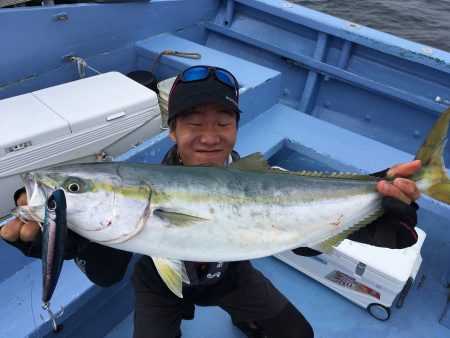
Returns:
point(369, 276)
point(93, 118)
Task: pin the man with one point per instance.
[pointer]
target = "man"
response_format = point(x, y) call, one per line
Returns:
point(203, 122)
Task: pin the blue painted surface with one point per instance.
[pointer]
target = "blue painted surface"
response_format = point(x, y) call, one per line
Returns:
point(83, 34)
point(314, 89)
point(445, 318)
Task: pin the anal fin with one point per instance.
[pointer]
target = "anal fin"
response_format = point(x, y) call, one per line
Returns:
point(173, 273)
point(328, 244)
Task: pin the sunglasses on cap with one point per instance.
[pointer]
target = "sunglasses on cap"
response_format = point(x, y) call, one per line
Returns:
point(200, 73)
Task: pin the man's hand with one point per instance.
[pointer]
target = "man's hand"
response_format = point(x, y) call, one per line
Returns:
point(17, 229)
point(401, 188)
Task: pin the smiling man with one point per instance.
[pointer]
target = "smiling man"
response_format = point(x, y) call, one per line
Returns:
point(205, 134)
point(203, 123)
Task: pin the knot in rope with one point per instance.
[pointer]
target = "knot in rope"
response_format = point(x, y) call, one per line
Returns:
point(82, 65)
point(188, 55)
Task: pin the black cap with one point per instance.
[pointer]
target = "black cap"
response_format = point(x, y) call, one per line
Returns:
point(185, 95)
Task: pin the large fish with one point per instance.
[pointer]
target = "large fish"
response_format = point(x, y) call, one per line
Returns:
point(241, 211)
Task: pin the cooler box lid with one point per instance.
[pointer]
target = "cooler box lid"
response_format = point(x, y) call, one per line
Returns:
point(26, 121)
point(394, 264)
point(98, 99)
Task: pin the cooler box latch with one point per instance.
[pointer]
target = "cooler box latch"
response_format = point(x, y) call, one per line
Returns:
point(360, 268)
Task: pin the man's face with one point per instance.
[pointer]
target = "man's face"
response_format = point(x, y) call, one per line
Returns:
point(205, 134)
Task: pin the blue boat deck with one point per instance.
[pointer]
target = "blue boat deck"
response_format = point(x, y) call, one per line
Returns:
point(346, 98)
point(329, 313)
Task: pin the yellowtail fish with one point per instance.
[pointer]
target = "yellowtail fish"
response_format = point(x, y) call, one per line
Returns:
point(241, 211)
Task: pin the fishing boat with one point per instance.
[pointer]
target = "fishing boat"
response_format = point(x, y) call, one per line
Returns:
point(317, 93)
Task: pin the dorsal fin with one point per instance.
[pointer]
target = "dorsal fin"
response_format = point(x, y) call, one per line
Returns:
point(351, 176)
point(253, 162)
point(256, 162)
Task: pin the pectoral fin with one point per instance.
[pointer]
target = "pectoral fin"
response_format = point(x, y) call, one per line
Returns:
point(177, 219)
point(173, 273)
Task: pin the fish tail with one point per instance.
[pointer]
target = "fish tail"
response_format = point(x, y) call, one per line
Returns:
point(432, 178)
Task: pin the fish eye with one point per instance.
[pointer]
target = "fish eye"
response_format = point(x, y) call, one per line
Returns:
point(75, 185)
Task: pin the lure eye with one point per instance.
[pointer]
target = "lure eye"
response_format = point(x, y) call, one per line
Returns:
point(51, 205)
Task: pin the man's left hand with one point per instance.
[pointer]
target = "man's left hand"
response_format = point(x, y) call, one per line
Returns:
point(401, 188)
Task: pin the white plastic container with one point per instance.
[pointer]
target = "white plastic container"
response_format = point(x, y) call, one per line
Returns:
point(99, 116)
point(369, 276)
point(163, 96)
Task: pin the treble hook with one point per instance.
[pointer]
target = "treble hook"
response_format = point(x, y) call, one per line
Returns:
point(53, 317)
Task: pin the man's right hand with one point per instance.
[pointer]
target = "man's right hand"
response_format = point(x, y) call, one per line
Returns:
point(18, 229)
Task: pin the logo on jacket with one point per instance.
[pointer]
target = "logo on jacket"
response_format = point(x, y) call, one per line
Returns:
point(214, 275)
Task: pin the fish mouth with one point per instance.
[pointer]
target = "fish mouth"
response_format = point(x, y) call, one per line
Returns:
point(37, 195)
point(38, 190)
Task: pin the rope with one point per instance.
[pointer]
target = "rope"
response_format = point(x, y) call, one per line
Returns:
point(188, 55)
point(82, 65)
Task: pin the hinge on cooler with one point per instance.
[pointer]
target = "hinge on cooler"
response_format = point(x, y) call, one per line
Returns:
point(18, 147)
point(104, 157)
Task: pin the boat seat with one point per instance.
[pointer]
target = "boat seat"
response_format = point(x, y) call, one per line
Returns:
point(282, 126)
point(254, 80)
